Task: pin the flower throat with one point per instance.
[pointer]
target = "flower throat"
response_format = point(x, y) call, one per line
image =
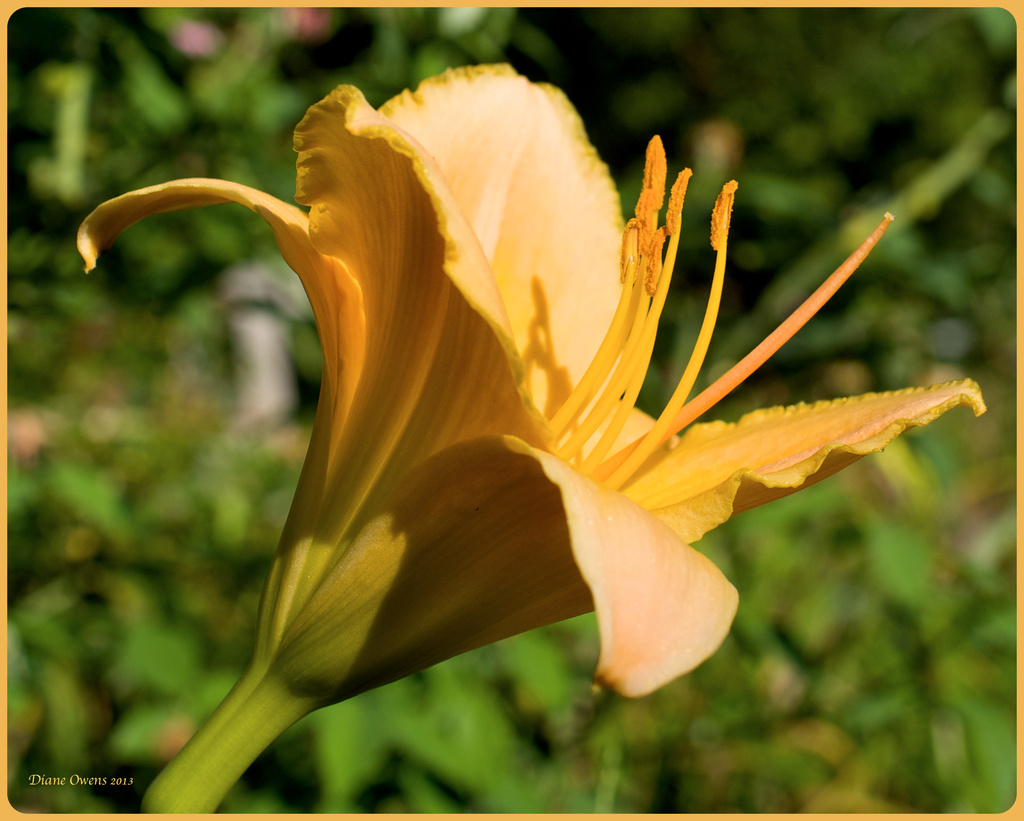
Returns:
point(597, 410)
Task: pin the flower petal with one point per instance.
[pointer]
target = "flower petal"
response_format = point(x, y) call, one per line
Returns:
point(471, 547)
point(443, 377)
point(439, 356)
point(544, 207)
point(487, 539)
point(662, 607)
point(718, 469)
point(376, 197)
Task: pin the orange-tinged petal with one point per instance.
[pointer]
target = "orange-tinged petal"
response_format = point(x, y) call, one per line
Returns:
point(662, 607)
point(471, 547)
point(440, 362)
point(420, 393)
point(717, 469)
point(518, 162)
point(376, 196)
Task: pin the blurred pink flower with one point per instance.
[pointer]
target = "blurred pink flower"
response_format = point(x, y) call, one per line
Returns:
point(195, 39)
point(309, 26)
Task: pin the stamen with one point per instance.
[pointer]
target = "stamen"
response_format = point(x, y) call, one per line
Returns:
point(675, 201)
point(608, 352)
point(752, 361)
point(653, 256)
point(652, 195)
point(628, 344)
point(637, 370)
point(649, 443)
point(722, 214)
point(616, 385)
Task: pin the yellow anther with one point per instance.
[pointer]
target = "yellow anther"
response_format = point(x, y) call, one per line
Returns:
point(653, 256)
point(721, 215)
point(629, 256)
point(655, 168)
point(652, 196)
point(675, 201)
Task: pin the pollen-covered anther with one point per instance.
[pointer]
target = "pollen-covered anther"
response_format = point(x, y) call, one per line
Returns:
point(653, 257)
point(721, 215)
point(652, 195)
point(675, 202)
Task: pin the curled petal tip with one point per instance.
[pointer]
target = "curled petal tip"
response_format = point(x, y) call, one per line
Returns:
point(87, 248)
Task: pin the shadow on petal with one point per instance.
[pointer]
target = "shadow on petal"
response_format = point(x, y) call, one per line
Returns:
point(473, 548)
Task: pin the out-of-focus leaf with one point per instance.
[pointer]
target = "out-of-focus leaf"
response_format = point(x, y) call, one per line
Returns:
point(348, 749)
point(901, 560)
point(91, 495)
point(465, 738)
point(134, 736)
point(66, 716)
point(154, 656)
point(424, 795)
point(993, 755)
point(232, 511)
point(62, 174)
point(998, 629)
point(540, 667)
point(22, 490)
point(155, 99)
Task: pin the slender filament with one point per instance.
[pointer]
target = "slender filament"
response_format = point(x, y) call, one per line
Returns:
point(648, 444)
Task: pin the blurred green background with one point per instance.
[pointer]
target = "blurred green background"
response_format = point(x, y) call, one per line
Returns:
point(872, 665)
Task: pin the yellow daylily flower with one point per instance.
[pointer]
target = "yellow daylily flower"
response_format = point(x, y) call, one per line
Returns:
point(477, 467)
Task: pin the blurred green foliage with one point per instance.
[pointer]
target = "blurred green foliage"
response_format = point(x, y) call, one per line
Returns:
point(872, 663)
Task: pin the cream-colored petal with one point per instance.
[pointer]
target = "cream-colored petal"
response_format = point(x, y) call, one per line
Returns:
point(717, 469)
point(471, 547)
point(662, 607)
point(518, 162)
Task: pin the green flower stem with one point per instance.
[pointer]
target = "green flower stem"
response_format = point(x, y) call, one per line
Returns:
point(256, 711)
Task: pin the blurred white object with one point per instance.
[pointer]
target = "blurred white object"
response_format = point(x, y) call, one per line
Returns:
point(259, 308)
